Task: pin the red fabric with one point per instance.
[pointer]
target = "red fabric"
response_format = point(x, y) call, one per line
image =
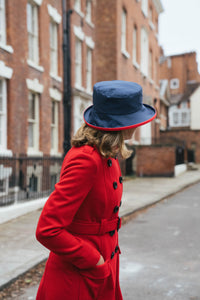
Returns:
point(85, 193)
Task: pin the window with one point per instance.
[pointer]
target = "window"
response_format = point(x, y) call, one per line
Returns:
point(123, 31)
point(32, 27)
point(54, 126)
point(33, 121)
point(175, 118)
point(174, 83)
point(145, 7)
point(144, 52)
point(78, 63)
point(53, 48)
point(2, 22)
point(135, 51)
point(3, 114)
point(89, 70)
point(89, 11)
point(77, 5)
point(150, 64)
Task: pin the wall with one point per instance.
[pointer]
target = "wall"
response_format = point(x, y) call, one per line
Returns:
point(195, 109)
point(155, 160)
point(191, 138)
point(17, 91)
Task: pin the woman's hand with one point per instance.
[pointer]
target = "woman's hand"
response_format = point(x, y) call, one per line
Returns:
point(101, 261)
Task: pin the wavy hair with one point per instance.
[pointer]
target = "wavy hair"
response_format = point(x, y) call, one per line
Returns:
point(109, 143)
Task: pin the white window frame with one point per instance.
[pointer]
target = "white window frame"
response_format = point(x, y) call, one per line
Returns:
point(3, 35)
point(54, 127)
point(78, 63)
point(174, 83)
point(77, 7)
point(88, 15)
point(3, 114)
point(33, 34)
point(79, 106)
point(150, 64)
point(135, 47)
point(144, 7)
point(123, 30)
point(53, 33)
point(2, 22)
point(144, 52)
point(89, 70)
point(35, 122)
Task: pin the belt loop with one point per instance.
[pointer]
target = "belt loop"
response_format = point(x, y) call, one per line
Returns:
point(102, 226)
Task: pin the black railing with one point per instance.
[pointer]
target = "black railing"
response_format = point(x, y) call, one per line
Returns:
point(25, 178)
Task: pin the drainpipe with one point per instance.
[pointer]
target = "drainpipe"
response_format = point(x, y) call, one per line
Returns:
point(66, 77)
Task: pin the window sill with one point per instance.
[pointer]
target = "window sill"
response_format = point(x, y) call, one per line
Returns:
point(7, 48)
point(80, 13)
point(151, 81)
point(34, 66)
point(144, 14)
point(55, 153)
point(152, 26)
point(89, 23)
point(136, 65)
point(56, 77)
point(6, 152)
point(126, 54)
point(34, 152)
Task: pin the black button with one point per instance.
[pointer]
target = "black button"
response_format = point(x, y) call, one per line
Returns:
point(115, 185)
point(112, 232)
point(120, 179)
point(116, 249)
point(120, 204)
point(116, 208)
point(112, 255)
point(109, 162)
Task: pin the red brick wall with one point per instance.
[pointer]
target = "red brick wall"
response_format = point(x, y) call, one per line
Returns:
point(111, 64)
point(183, 67)
point(17, 100)
point(155, 160)
point(191, 138)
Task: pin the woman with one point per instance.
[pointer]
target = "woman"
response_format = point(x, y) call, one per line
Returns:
point(79, 223)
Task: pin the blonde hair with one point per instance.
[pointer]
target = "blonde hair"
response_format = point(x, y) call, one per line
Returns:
point(109, 143)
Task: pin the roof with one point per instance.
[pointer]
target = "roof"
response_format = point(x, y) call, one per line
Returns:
point(190, 88)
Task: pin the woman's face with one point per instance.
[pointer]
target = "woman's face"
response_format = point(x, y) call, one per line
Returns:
point(127, 133)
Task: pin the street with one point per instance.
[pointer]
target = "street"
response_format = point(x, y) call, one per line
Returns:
point(160, 247)
point(161, 250)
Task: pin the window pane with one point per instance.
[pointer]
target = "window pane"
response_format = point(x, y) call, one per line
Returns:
point(31, 106)
point(30, 135)
point(53, 112)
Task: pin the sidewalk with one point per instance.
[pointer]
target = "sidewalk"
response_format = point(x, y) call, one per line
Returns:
point(19, 251)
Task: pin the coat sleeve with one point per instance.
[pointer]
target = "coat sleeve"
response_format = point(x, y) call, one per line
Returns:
point(76, 181)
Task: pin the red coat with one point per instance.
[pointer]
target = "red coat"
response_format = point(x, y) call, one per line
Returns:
point(77, 224)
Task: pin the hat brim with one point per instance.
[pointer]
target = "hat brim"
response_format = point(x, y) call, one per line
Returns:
point(109, 122)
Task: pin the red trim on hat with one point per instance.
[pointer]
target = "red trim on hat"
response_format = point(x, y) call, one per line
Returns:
point(120, 128)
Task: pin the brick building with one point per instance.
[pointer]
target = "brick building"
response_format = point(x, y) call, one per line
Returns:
point(181, 73)
point(31, 122)
point(31, 77)
point(127, 49)
point(82, 58)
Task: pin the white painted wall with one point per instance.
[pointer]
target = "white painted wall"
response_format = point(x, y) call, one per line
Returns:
point(195, 109)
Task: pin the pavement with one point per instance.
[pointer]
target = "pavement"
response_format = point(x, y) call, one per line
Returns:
point(19, 250)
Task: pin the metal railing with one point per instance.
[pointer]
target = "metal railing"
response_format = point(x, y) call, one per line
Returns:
point(25, 178)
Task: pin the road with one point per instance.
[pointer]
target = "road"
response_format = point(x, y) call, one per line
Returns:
point(160, 247)
point(161, 250)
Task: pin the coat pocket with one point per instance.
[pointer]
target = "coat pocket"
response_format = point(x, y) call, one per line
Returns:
point(97, 272)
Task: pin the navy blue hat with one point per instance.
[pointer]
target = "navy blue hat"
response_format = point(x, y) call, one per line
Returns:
point(117, 105)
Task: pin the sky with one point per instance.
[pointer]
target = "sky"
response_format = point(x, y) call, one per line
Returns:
point(179, 27)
